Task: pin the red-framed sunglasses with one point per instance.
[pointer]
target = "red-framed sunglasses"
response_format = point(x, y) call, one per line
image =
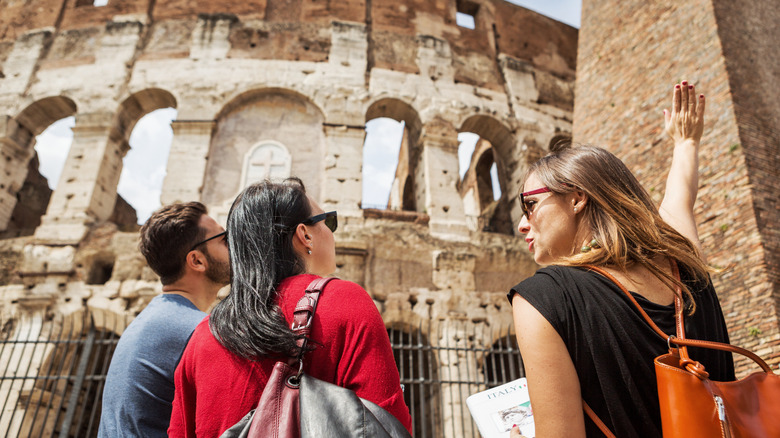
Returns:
point(528, 206)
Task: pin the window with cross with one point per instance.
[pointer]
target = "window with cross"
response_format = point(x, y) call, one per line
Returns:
point(266, 160)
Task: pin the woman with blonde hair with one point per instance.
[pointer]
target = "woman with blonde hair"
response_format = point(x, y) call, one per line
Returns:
point(580, 336)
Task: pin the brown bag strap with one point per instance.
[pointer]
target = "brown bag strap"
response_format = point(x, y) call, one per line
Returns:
point(694, 367)
point(303, 315)
point(603, 427)
point(680, 339)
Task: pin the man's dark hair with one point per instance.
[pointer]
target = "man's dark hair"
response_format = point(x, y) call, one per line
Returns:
point(168, 236)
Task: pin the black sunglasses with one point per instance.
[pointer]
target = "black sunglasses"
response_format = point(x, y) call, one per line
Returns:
point(216, 236)
point(330, 218)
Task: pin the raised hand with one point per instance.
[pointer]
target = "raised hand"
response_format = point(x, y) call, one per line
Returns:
point(685, 121)
point(684, 124)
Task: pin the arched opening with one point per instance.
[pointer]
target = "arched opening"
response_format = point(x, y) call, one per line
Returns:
point(263, 133)
point(382, 152)
point(140, 139)
point(483, 181)
point(33, 155)
point(392, 176)
point(144, 168)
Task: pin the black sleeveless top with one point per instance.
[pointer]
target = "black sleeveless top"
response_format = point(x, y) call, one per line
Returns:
point(612, 346)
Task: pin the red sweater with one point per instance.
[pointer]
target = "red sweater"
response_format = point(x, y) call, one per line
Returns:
point(215, 388)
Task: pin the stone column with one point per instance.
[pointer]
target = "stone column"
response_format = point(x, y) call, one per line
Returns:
point(187, 160)
point(86, 192)
point(342, 188)
point(439, 162)
point(456, 364)
point(15, 154)
point(30, 324)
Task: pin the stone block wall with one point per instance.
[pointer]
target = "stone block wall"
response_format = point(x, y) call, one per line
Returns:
point(299, 78)
point(631, 53)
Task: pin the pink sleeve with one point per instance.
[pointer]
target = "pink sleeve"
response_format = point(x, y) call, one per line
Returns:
point(367, 365)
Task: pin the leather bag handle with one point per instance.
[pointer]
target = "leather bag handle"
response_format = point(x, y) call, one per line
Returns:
point(694, 367)
point(303, 315)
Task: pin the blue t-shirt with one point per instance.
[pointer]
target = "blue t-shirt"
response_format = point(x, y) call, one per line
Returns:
point(138, 395)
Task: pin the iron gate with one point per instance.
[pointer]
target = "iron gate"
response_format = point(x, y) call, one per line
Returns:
point(52, 374)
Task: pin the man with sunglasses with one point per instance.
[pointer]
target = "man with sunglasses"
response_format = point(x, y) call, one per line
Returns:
point(187, 249)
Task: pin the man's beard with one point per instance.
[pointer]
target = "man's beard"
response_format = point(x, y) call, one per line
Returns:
point(218, 271)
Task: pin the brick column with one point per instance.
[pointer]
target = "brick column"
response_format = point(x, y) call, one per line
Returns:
point(187, 160)
point(456, 365)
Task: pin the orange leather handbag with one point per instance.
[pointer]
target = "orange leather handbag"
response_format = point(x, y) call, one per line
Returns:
point(691, 404)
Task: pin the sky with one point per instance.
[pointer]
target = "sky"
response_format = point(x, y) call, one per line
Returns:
point(140, 182)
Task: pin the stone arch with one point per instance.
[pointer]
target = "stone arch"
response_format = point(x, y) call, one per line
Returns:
point(406, 191)
point(495, 146)
point(270, 114)
point(129, 112)
point(137, 105)
point(248, 96)
point(17, 141)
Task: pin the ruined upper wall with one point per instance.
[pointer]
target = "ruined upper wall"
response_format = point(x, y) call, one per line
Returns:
point(299, 30)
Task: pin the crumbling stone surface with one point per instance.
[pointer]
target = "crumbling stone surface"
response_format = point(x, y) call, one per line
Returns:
point(277, 88)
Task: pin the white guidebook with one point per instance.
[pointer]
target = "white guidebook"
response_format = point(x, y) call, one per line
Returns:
point(495, 410)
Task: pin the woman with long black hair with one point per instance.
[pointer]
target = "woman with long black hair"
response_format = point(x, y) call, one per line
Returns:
point(280, 240)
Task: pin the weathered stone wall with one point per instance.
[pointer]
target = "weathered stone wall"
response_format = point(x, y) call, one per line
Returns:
point(630, 55)
point(304, 76)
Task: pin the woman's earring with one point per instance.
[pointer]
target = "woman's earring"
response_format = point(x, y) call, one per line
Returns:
point(593, 244)
point(308, 251)
point(575, 209)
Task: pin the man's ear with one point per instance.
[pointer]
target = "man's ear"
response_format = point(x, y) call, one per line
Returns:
point(196, 261)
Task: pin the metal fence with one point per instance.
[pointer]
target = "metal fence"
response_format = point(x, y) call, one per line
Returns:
point(52, 374)
point(441, 364)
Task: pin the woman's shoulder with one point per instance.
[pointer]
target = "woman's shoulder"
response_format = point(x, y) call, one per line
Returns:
point(202, 343)
point(338, 297)
point(553, 276)
point(554, 284)
point(302, 281)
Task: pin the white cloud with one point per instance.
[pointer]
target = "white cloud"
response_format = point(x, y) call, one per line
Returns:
point(144, 166)
point(52, 146)
point(380, 159)
point(468, 141)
